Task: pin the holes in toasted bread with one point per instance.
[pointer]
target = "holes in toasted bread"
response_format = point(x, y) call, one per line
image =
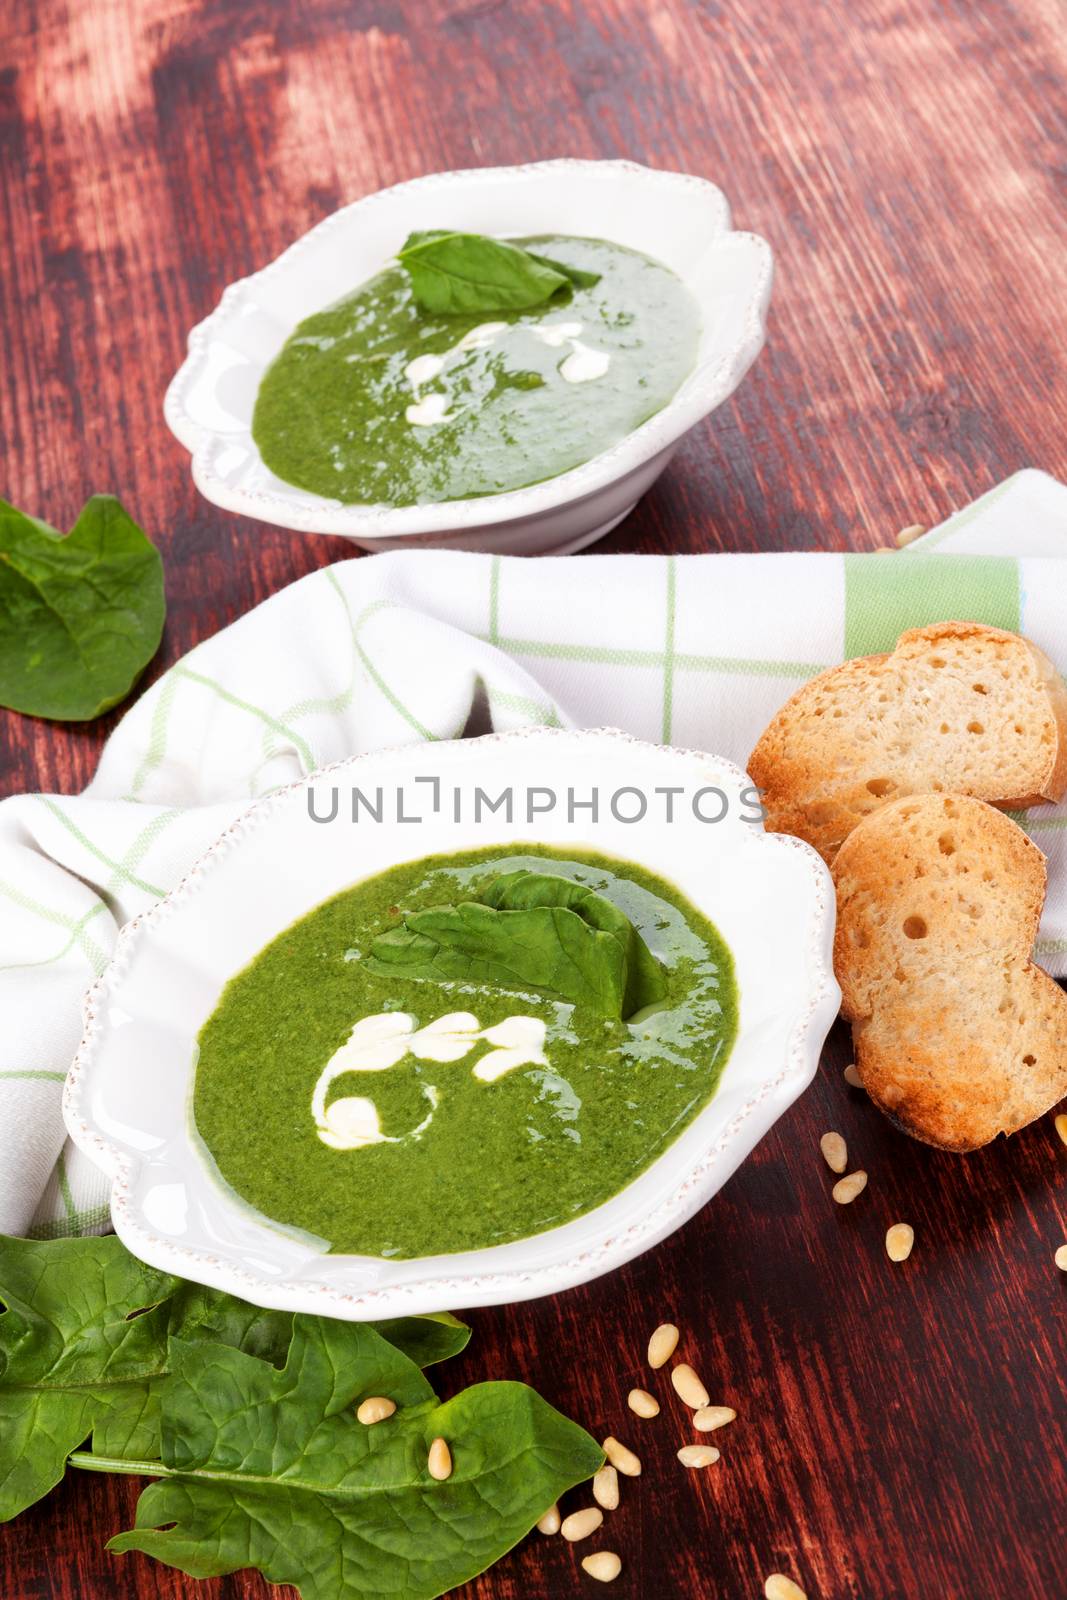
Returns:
point(975, 727)
point(915, 928)
point(880, 786)
point(1029, 1061)
point(946, 844)
point(945, 727)
point(936, 661)
point(979, 688)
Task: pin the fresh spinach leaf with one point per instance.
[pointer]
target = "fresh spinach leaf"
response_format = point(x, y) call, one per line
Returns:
point(529, 930)
point(578, 276)
point(523, 890)
point(212, 1317)
point(81, 616)
point(74, 1359)
point(460, 273)
point(84, 1350)
point(437, 1336)
point(271, 1470)
point(208, 1315)
point(247, 1417)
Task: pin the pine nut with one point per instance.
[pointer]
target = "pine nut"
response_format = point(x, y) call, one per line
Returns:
point(688, 1387)
point(899, 1240)
point(622, 1459)
point(606, 1488)
point(580, 1524)
point(779, 1587)
point(603, 1566)
point(698, 1455)
point(376, 1409)
point(834, 1151)
point(1061, 1126)
point(1060, 1258)
point(852, 1076)
point(662, 1345)
point(708, 1418)
point(845, 1190)
point(908, 535)
point(642, 1403)
point(439, 1463)
point(549, 1523)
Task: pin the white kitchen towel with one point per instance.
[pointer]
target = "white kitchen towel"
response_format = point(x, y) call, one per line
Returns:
point(697, 651)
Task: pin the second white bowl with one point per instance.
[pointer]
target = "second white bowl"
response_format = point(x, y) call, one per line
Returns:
point(683, 221)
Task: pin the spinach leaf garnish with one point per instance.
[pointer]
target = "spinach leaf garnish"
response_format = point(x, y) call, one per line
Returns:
point(578, 276)
point(270, 1469)
point(470, 272)
point(84, 1350)
point(528, 930)
point(80, 616)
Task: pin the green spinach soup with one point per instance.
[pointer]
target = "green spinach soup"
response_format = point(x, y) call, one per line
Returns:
point(379, 400)
point(465, 1050)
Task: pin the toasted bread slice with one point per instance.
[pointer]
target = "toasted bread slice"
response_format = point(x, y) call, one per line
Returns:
point(957, 708)
point(957, 1035)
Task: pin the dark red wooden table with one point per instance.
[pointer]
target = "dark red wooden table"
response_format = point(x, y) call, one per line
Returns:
point(901, 1429)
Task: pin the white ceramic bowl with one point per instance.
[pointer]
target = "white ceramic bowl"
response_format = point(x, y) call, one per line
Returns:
point(128, 1093)
point(683, 221)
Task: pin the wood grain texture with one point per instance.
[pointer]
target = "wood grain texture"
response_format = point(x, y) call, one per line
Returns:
point(900, 1431)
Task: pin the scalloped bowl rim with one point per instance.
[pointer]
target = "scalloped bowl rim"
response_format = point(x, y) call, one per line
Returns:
point(461, 1279)
point(705, 389)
